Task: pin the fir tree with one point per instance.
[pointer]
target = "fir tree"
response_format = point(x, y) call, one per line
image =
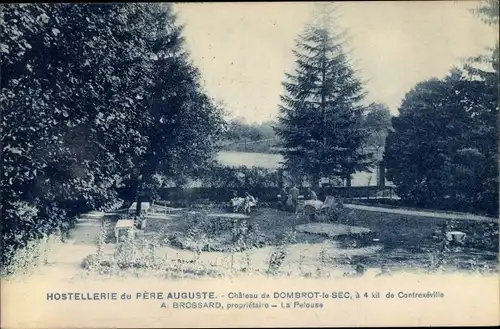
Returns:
point(320, 115)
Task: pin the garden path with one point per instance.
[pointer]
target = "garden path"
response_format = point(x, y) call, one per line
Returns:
point(420, 213)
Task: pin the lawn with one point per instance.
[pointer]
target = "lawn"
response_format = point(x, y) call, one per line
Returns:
point(414, 241)
point(396, 241)
point(190, 243)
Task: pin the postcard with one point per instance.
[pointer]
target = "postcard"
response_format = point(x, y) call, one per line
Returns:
point(264, 164)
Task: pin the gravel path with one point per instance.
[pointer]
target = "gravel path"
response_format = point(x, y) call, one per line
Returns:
point(456, 216)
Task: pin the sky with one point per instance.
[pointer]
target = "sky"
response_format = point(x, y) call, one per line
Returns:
point(244, 49)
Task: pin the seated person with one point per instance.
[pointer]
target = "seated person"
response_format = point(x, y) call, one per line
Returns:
point(311, 194)
point(250, 202)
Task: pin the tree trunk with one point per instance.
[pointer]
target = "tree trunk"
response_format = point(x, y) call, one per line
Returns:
point(348, 181)
point(138, 195)
point(138, 208)
point(381, 175)
point(323, 112)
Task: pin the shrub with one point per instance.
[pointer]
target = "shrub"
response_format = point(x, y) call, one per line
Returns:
point(132, 258)
point(276, 259)
point(25, 260)
point(209, 234)
point(279, 253)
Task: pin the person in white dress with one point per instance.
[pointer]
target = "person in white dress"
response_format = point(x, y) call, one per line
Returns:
point(249, 202)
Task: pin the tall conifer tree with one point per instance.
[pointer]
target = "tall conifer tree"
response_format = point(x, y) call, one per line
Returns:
point(320, 114)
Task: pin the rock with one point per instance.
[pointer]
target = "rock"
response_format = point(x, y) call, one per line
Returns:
point(384, 271)
point(360, 269)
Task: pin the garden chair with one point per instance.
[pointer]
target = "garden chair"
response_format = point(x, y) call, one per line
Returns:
point(237, 204)
point(311, 209)
point(300, 207)
point(322, 213)
point(329, 206)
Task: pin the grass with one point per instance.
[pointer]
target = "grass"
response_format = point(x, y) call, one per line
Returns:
point(416, 233)
point(420, 242)
point(265, 227)
point(139, 257)
point(404, 242)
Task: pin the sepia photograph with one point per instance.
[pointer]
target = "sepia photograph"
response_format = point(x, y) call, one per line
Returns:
point(254, 164)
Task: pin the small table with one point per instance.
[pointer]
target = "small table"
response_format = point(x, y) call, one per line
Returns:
point(124, 224)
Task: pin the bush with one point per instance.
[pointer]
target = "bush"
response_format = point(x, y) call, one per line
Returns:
point(280, 252)
point(27, 259)
point(131, 257)
point(241, 177)
point(223, 234)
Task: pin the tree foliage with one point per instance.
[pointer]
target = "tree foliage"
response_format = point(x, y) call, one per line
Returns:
point(93, 95)
point(243, 137)
point(488, 11)
point(485, 67)
point(377, 122)
point(320, 113)
point(443, 152)
point(242, 177)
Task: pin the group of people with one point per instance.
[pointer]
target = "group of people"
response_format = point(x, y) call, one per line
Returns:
point(245, 204)
point(289, 199)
